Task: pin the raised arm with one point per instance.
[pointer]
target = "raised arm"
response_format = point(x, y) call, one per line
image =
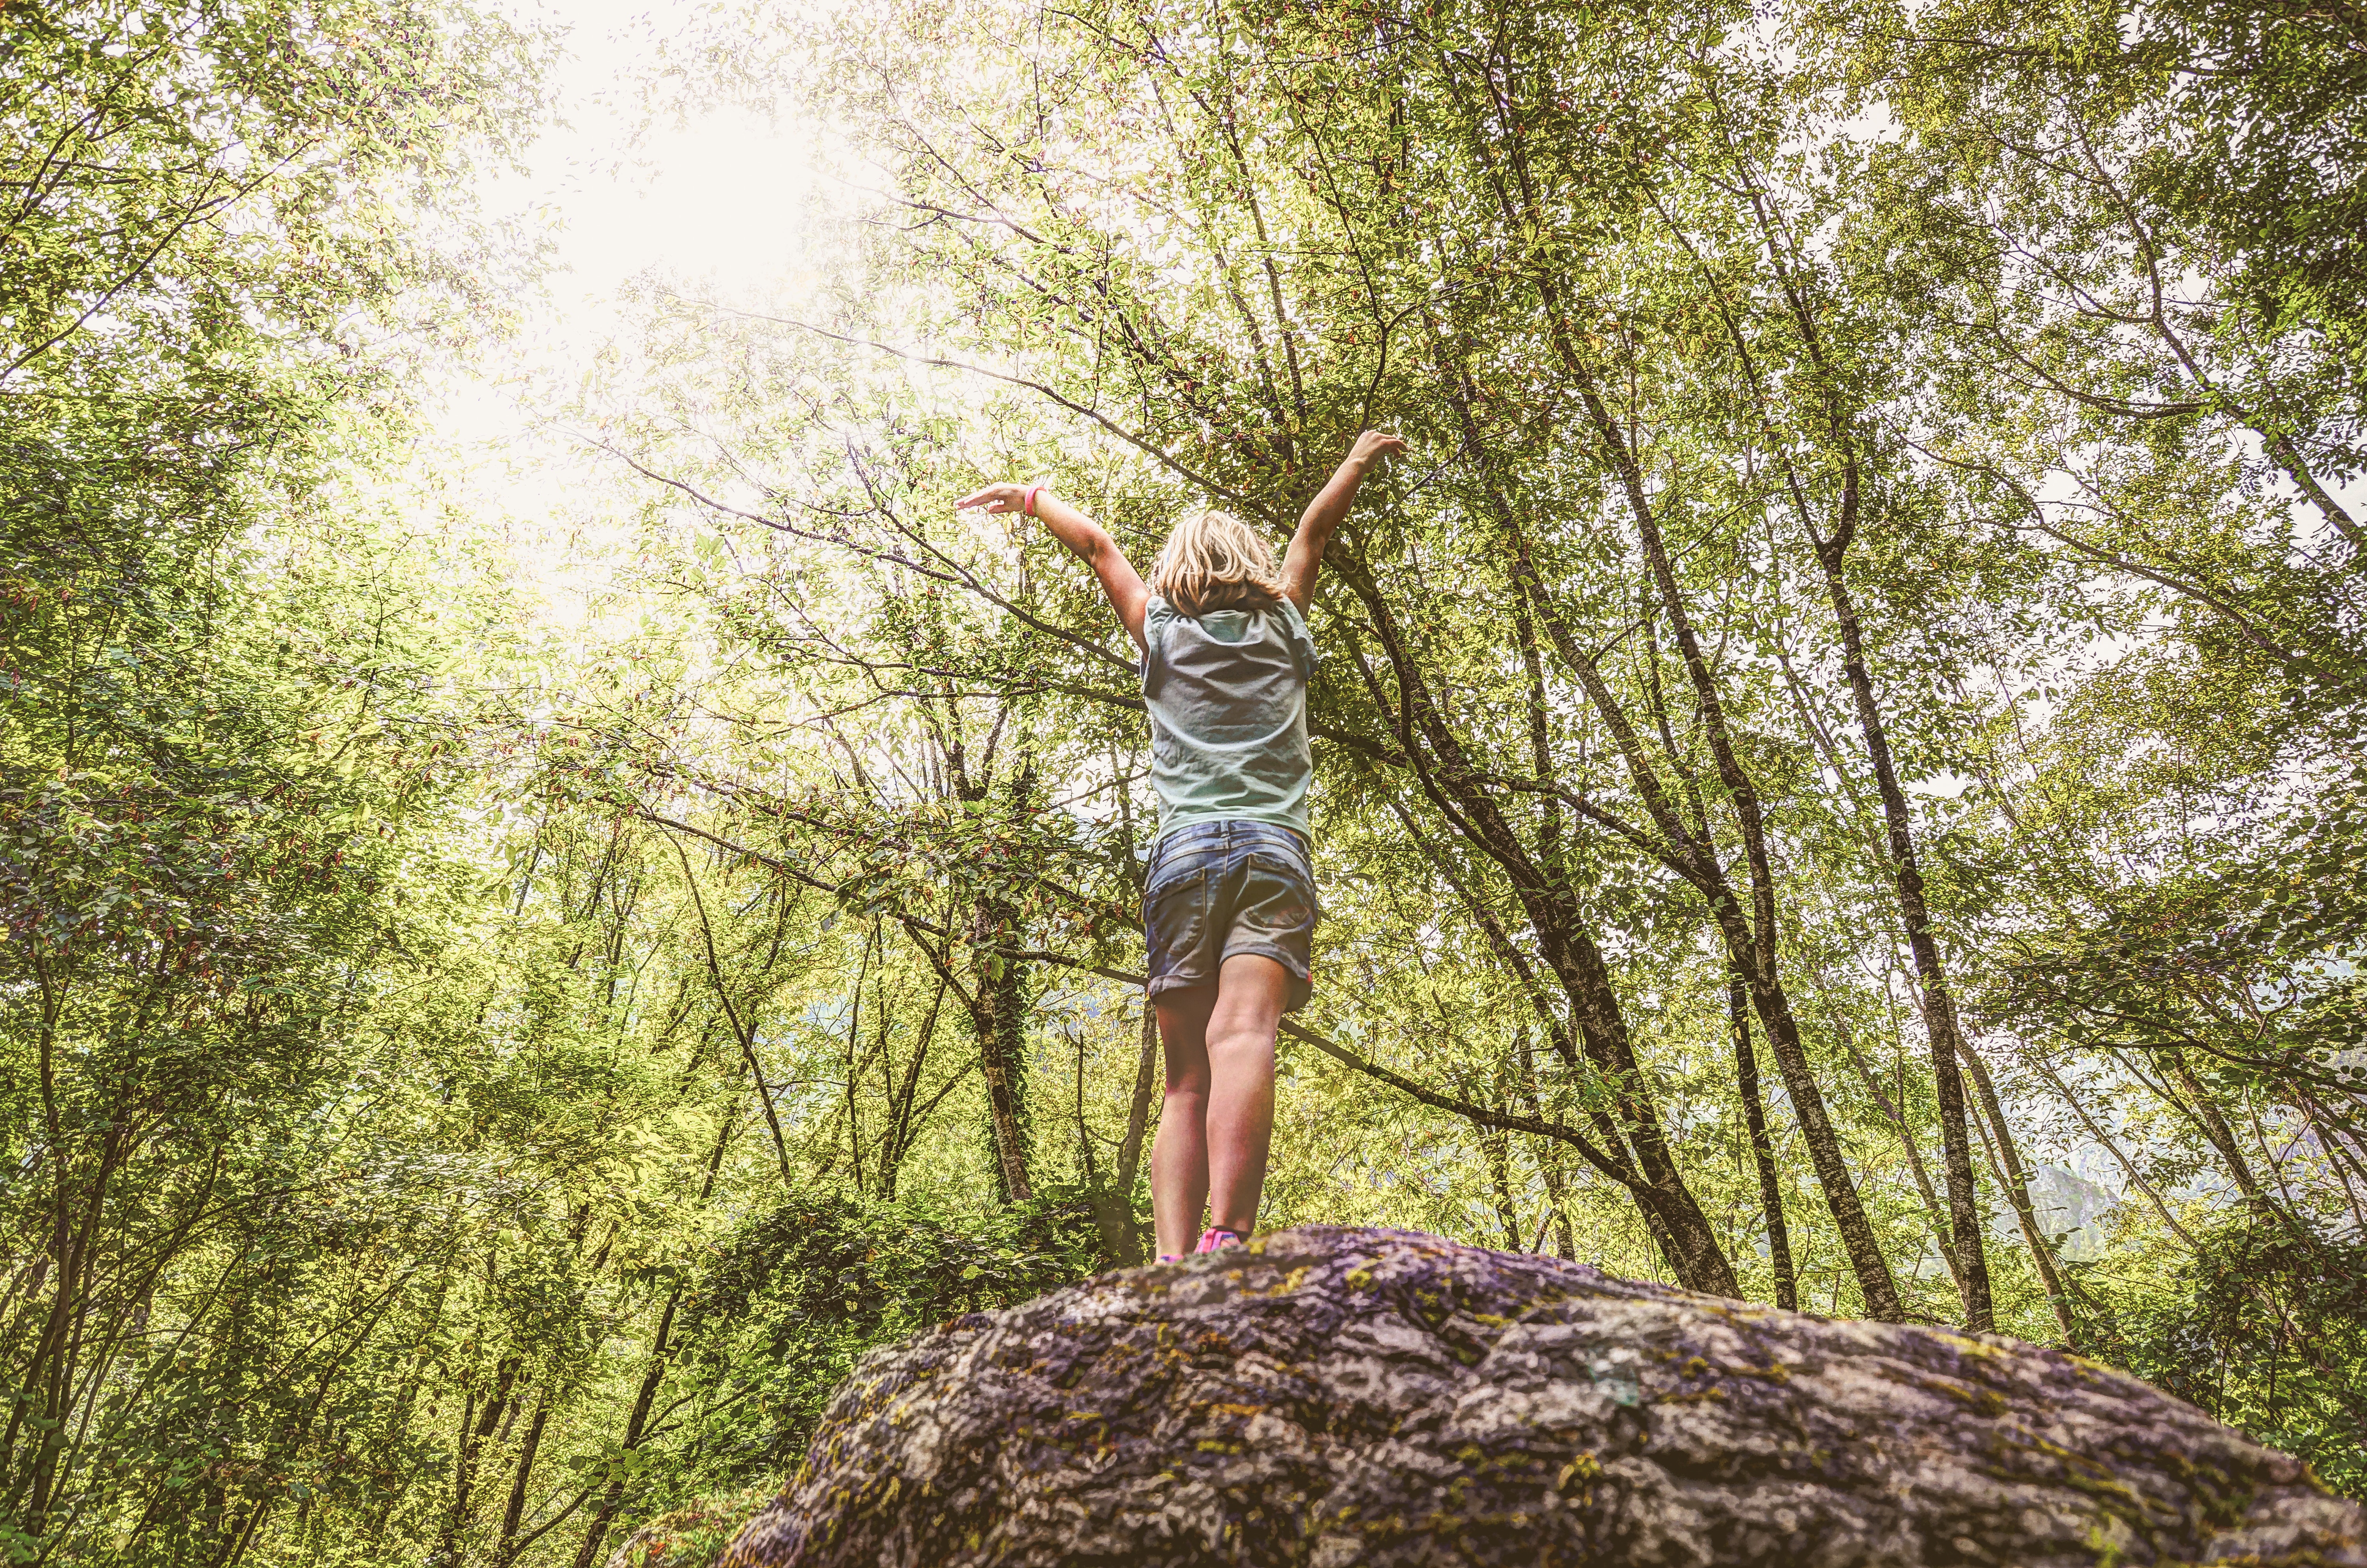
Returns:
point(1087, 539)
point(1305, 559)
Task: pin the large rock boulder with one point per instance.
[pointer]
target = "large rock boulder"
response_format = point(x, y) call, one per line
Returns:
point(1330, 1397)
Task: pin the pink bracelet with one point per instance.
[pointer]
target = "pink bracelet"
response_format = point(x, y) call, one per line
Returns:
point(1028, 504)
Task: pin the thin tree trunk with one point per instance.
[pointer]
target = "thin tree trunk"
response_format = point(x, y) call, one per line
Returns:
point(1879, 1290)
point(1088, 1169)
point(853, 1060)
point(1548, 1155)
point(998, 1021)
point(1678, 1223)
point(1969, 1259)
point(60, 1226)
point(1138, 1115)
point(1558, 1196)
point(474, 1429)
point(1550, 823)
point(2222, 1137)
point(1495, 1145)
point(1668, 1208)
point(514, 1514)
point(2042, 1255)
point(55, 1353)
point(999, 1014)
point(1759, 946)
point(2017, 1186)
point(1119, 1198)
point(1762, 1149)
point(742, 1035)
point(236, 1547)
point(1147, 1076)
point(661, 1349)
point(903, 1095)
point(1897, 1116)
point(1463, 794)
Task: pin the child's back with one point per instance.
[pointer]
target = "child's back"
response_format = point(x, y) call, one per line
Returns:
point(1227, 691)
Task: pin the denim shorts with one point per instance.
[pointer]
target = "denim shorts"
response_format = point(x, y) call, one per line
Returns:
point(1216, 889)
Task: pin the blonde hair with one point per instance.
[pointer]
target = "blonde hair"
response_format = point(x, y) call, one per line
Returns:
point(1214, 561)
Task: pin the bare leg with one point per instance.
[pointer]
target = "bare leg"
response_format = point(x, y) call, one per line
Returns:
point(1217, 1124)
point(1251, 991)
point(1179, 1154)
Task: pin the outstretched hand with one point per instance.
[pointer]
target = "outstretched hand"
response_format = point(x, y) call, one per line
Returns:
point(995, 498)
point(1371, 446)
point(1085, 538)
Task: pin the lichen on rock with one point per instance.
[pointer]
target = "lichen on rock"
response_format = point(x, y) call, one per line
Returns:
point(1333, 1397)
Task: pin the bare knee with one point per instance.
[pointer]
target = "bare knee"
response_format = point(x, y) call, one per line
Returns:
point(1187, 1072)
point(1247, 1045)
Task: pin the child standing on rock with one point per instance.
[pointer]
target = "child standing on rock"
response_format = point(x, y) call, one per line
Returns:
point(1228, 907)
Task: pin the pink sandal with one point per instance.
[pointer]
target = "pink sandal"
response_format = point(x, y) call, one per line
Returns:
point(1218, 1239)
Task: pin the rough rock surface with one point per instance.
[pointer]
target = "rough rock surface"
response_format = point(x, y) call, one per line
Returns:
point(1333, 1397)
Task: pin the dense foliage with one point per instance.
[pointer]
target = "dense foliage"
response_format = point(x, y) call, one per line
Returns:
point(1837, 747)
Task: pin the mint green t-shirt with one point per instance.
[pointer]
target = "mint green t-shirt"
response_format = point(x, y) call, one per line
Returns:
point(1226, 693)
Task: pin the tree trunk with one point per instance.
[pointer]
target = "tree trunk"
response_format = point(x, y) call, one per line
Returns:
point(635, 1423)
point(1760, 944)
point(51, 1379)
point(1897, 1116)
point(2223, 1138)
point(903, 1094)
point(1755, 957)
point(514, 1514)
point(1879, 1290)
point(998, 1021)
point(661, 1352)
point(1115, 1208)
point(742, 1034)
point(998, 1006)
point(1969, 1256)
point(473, 1434)
point(1762, 1149)
point(2015, 1179)
point(1549, 1155)
point(1465, 795)
point(1138, 1112)
point(1495, 1145)
point(1682, 1229)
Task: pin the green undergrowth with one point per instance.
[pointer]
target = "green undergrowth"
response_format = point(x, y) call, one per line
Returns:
point(784, 1307)
point(2266, 1329)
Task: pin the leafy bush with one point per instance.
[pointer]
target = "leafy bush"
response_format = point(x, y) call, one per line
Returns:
point(797, 1295)
point(2269, 1334)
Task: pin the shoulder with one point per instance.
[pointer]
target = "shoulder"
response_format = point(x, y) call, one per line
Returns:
point(1300, 640)
point(1159, 617)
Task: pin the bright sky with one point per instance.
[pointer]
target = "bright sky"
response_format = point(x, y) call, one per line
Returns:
point(718, 204)
point(718, 197)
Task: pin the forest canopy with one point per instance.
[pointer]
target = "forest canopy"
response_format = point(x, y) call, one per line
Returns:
point(1837, 746)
